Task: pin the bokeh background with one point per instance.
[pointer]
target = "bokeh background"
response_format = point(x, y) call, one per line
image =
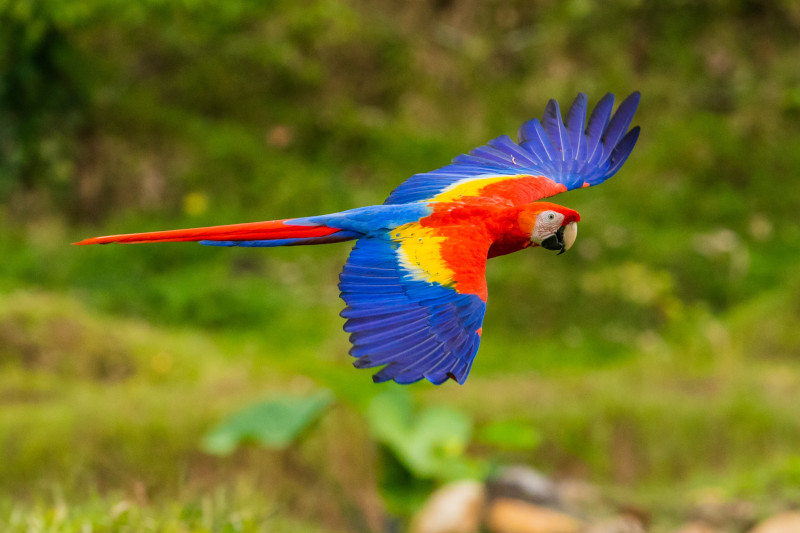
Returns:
point(658, 360)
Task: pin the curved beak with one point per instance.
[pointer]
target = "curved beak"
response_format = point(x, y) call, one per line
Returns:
point(563, 239)
point(570, 234)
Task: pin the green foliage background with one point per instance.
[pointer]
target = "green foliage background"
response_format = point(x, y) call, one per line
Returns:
point(663, 351)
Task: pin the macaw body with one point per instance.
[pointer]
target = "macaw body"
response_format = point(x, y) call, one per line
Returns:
point(414, 284)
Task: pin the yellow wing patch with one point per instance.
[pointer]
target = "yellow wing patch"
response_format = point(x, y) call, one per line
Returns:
point(467, 187)
point(419, 253)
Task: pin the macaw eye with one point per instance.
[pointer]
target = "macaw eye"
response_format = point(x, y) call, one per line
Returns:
point(551, 216)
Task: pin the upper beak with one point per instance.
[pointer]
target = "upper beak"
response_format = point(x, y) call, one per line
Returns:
point(563, 239)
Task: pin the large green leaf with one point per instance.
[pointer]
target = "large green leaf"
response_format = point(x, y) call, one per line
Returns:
point(430, 442)
point(274, 423)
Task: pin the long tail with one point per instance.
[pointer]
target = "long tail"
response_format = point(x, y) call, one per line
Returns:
point(289, 232)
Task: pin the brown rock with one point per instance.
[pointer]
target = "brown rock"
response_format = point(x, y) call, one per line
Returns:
point(521, 482)
point(617, 524)
point(786, 522)
point(454, 508)
point(578, 494)
point(515, 516)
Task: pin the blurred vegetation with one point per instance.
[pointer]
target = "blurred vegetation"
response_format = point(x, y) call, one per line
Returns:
point(274, 423)
point(662, 353)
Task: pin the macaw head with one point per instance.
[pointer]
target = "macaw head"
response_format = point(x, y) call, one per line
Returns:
point(550, 226)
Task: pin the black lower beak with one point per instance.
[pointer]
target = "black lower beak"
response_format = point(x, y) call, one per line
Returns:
point(555, 241)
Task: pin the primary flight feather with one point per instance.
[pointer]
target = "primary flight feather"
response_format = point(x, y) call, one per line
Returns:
point(414, 283)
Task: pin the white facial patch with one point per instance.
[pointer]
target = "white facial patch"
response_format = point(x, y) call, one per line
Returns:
point(547, 223)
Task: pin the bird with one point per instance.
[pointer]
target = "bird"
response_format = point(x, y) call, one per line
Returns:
point(414, 284)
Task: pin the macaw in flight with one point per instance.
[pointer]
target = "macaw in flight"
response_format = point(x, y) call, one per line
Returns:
point(414, 283)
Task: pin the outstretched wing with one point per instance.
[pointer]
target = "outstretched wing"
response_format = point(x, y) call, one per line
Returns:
point(415, 299)
point(552, 156)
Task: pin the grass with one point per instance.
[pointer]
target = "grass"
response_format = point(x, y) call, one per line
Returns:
point(134, 435)
point(102, 424)
point(239, 510)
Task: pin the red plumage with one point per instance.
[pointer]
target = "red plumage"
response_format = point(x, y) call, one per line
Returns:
point(251, 231)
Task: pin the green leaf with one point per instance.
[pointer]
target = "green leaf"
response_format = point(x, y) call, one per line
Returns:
point(274, 423)
point(430, 443)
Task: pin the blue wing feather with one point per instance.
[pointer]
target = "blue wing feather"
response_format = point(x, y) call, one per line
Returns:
point(554, 126)
point(402, 354)
point(598, 122)
point(620, 122)
point(567, 153)
point(576, 118)
point(520, 157)
point(623, 150)
point(386, 334)
point(533, 137)
point(418, 329)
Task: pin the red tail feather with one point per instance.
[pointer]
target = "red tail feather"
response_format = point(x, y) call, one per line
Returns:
point(251, 231)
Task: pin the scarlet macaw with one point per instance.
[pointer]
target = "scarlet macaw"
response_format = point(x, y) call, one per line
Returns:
point(414, 283)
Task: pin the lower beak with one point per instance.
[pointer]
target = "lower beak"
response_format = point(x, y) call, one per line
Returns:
point(563, 239)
